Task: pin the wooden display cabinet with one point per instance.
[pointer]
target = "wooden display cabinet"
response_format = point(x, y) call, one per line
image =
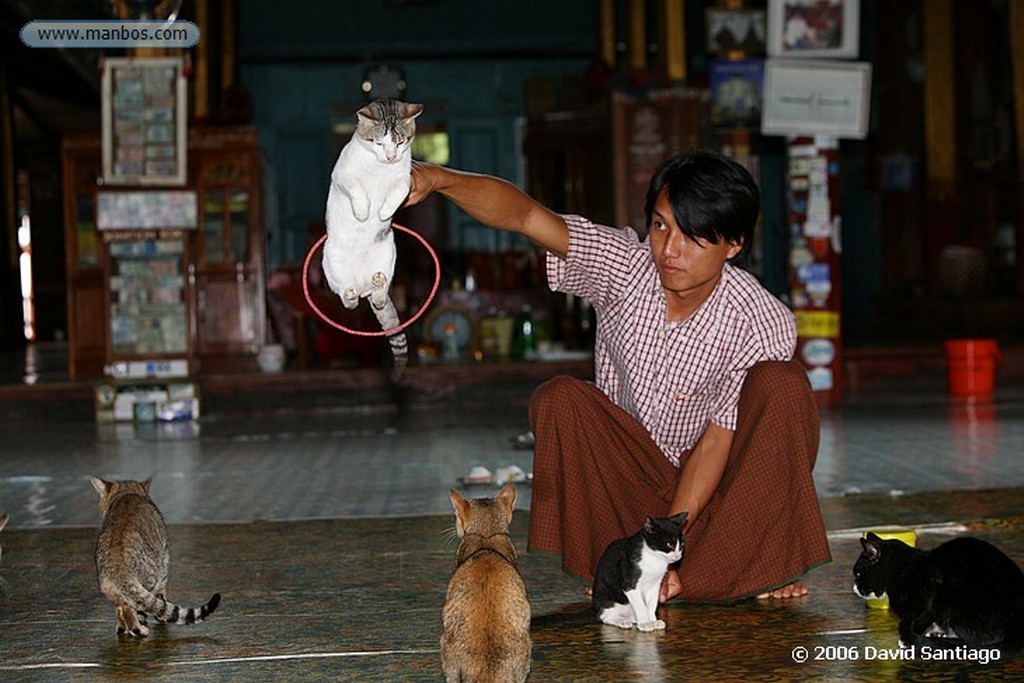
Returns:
point(193, 294)
point(229, 259)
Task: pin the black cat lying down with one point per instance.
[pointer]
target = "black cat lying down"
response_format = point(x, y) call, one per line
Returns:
point(964, 592)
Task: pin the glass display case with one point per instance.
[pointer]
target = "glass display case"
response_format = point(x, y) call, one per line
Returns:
point(148, 297)
point(161, 277)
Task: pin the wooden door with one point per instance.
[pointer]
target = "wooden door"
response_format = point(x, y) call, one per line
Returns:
point(86, 299)
point(228, 263)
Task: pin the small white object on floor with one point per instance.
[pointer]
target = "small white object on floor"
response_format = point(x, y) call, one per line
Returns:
point(512, 473)
point(523, 442)
point(479, 475)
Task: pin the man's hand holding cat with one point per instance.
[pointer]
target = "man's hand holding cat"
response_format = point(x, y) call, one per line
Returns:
point(670, 586)
point(422, 184)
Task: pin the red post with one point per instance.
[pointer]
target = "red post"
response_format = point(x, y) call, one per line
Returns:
point(815, 225)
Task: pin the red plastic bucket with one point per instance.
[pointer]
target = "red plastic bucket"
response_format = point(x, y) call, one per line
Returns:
point(971, 366)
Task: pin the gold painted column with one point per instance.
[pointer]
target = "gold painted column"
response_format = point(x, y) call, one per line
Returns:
point(606, 28)
point(636, 50)
point(939, 91)
point(673, 39)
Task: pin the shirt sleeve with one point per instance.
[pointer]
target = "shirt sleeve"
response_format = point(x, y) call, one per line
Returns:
point(599, 264)
point(770, 332)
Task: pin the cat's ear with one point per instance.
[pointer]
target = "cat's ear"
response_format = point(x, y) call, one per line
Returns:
point(507, 498)
point(649, 524)
point(461, 507)
point(457, 498)
point(872, 546)
point(412, 110)
point(680, 518)
point(145, 484)
point(367, 115)
point(101, 485)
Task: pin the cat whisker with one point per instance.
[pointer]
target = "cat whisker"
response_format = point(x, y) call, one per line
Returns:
point(450, 535)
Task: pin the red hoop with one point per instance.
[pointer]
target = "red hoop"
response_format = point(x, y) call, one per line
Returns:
point(382, 333)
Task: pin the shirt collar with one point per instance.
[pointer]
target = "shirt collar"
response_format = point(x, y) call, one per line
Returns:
point(703, 324)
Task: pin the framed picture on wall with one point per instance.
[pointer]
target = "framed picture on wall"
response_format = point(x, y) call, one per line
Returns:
point(813, 28)
point(816, 97)
point(144, 111)
point(735, 31)
point(736, 87)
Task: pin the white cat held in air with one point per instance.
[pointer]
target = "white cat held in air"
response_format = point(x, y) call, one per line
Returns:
point(369, 182)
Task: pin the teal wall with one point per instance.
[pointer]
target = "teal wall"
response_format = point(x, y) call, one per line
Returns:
point(466, 61)
point(296, 106)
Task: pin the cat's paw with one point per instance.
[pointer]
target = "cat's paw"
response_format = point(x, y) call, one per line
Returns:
point(140, 632)
point(350, 297)
point(648, 626)
point(361, 208)
point(619, 623)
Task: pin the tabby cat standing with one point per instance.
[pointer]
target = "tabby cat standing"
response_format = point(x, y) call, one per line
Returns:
point(132, 559)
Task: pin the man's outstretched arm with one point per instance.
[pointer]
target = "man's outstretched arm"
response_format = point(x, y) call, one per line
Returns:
point(492, 201)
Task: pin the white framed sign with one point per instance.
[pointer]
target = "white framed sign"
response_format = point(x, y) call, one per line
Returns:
point(144, 121)
point(808, 97)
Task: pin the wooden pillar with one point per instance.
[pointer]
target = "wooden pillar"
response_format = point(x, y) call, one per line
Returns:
point(201, 99)
point(228, 45)
point(636, 50)
point(11, 323)
point(940, 135)
point(1016, 16)
point(606, 32)
point(815, 258)
point(673, 39)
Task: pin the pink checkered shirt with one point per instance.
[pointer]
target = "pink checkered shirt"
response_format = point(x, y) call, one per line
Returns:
point(673, 377)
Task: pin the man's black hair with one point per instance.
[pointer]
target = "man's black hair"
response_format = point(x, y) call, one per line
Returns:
point(712, 197)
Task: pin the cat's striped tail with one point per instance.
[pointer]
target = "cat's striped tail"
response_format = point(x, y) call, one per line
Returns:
point(180, 615)
point(387, 316)
point(158, 607)
point(400, 351)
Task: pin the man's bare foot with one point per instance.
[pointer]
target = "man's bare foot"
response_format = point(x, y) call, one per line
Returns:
point(671, 586)
point(790, 590)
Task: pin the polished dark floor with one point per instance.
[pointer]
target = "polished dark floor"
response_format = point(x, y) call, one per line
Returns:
point(322, 516)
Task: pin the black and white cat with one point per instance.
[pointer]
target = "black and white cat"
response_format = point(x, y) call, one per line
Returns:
point(628, 577)
point(369, 182)
point(964, 592)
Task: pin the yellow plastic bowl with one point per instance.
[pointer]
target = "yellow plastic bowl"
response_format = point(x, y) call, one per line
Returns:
point(899, 533)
